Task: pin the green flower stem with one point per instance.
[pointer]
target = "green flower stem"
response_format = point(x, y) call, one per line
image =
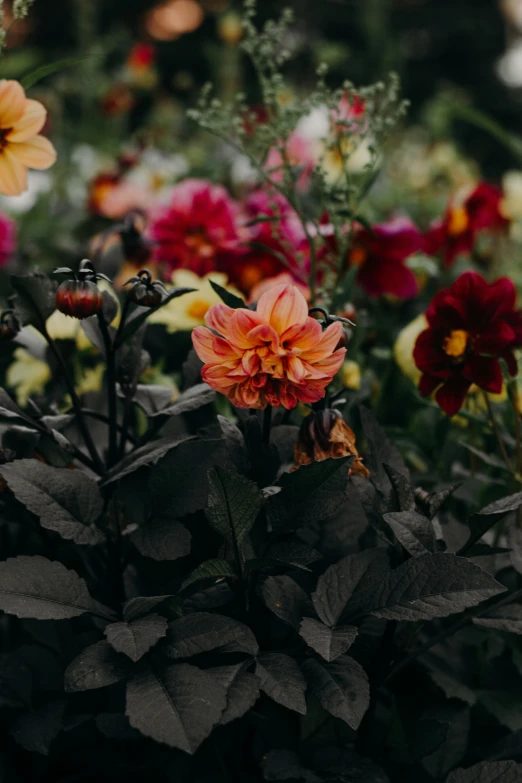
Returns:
point(498, 436)
point(112, 454)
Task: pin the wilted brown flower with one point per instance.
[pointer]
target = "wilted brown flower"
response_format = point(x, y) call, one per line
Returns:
point(325, 434)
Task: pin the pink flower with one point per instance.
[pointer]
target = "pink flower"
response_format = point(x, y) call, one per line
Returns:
point(299, 154)
point(7, 238)
point(277, 244)
point(277, 355)
point(198, 230)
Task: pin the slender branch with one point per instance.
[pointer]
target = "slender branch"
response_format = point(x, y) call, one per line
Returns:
point(77, 406)
point(497, 433)
point(105, 419)
point(124, 437)
point(449, 630)
point(112, 453)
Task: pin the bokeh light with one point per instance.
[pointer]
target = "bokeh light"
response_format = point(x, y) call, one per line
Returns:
point(168, 21)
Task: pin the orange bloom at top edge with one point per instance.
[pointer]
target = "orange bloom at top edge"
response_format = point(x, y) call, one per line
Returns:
point(21, 148)
point(277, 355)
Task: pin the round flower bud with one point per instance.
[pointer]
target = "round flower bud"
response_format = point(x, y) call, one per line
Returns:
point(9, 326)
point(79, 298)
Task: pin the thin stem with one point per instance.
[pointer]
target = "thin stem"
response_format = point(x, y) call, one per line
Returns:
point(497, 433)
point(267, 424)
point(518, 428)
point(77, 406)
point(102, 417)
point(112, 454)
point(449, 630)
point(127, 414)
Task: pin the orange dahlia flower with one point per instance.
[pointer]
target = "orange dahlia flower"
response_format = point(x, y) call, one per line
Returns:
point(277, 355)
point(21, 148)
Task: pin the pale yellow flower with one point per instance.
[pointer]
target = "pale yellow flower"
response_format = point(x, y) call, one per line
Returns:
point(188, 311)
point(21, 146)
point(404, 345)
point(27, 375)
point(351, 375)
point(62, 327)
point(91, 380)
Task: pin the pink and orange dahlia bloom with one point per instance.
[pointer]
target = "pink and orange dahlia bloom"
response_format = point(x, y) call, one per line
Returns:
point(471, 326)
point(277, 355)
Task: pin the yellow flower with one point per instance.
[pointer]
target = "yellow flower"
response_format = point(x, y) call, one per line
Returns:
point(351, 375)
point(27, 375)
point(404, 345)
point(21, 148)
point(188, 311)
point(61, 327)
point(92, 380)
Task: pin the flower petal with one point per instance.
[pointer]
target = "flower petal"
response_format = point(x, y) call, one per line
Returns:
point(12, 102)
point(240, 326)
point(452, 394)
point(283, 306)
point(485, 372)
point(218, 318)
point(302, 336)
point(13, 174)
point(326, 344)
point(38, 153)
point(30, 123)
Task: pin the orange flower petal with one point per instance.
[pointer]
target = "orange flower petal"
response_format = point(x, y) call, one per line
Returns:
point(283, 306)
point(326, 344)
point(13, 174)
point(242, 322)
point(303, 336)
point(203, 342)
point(218, 318)
point(38, 153)
point(30, 123)
point(12, 103)
point(264, 335)
point(332, 363)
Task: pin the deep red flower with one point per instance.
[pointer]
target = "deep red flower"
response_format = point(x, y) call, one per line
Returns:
point(456, 233)
point(198, 230)
point(277, 238)
point(7, 238)
point(141, 57)
point(472, 325)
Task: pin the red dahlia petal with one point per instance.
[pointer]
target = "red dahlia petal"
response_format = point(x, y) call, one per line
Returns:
point(485, 372)
point(452, 394)
point(428, 384)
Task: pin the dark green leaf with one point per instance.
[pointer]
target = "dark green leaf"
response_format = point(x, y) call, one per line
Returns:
point(281, 679)
point(200, 632)
point(286, 599)
point(136, 638)
point(35, 730)
point(414, 531)
point(35, 298)
point(285, 765)
point(97, 667)
point(149, 454)
point(233, 505)
point(293, 553)
point(162, 539)
point(65, 501)
point(46, 70)
point(488, 772)
point(229, 299)
point(401, 485)
point(10, 410)
point(341, 686)
point(505, 618)
point(152, 399)
point(139, 607)
point(380, 451)
point(42, 589)
point(178, 705)
point(140, 314)
point(330, 643)
point(116, 726)
point(190, 400)
point(503, 506)
point(211, 569)
point(242, 689)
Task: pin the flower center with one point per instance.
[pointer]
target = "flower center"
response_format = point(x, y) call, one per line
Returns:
point(455, 345)
point(458, 221)
point(198, 241)
point(4, 132)
point(357, 256)
point(198, 309)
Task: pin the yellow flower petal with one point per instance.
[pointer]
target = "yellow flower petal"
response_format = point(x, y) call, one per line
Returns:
point(38, 153)
point(27, 375)
point(12, 103)
point(31, 122)
point(13, 174)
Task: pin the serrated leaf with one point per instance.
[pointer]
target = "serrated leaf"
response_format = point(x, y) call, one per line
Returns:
point(233, 505)
point(201, 632)
point(136, 638)
point(505, 618)
point(35, 298)
point(35, 730)
point(488, 772)
point(97, 667)
point(178, 705)
point(67, 502)
point(380, 450)
point(138, 607)
point(210, 569)
point(235, 302)
point(286, 599)
point(281, 679)
point(32, 586)
point(341, 686)
point(413, 531)
point(149, 454)
point(330, 643)
point(242, 690)
point(432, 585)
point(140, 314)
point(162, 539)
point(363, 572)
point(190, 400)
point(402, 488)
point(311, 493)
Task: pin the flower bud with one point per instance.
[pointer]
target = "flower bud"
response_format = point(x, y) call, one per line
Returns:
point(9, 325)
point(325, 434)
point(144, 292)
point(79, 298)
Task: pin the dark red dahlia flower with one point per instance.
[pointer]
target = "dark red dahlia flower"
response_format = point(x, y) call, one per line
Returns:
point(472, 325)
point(456, 233)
